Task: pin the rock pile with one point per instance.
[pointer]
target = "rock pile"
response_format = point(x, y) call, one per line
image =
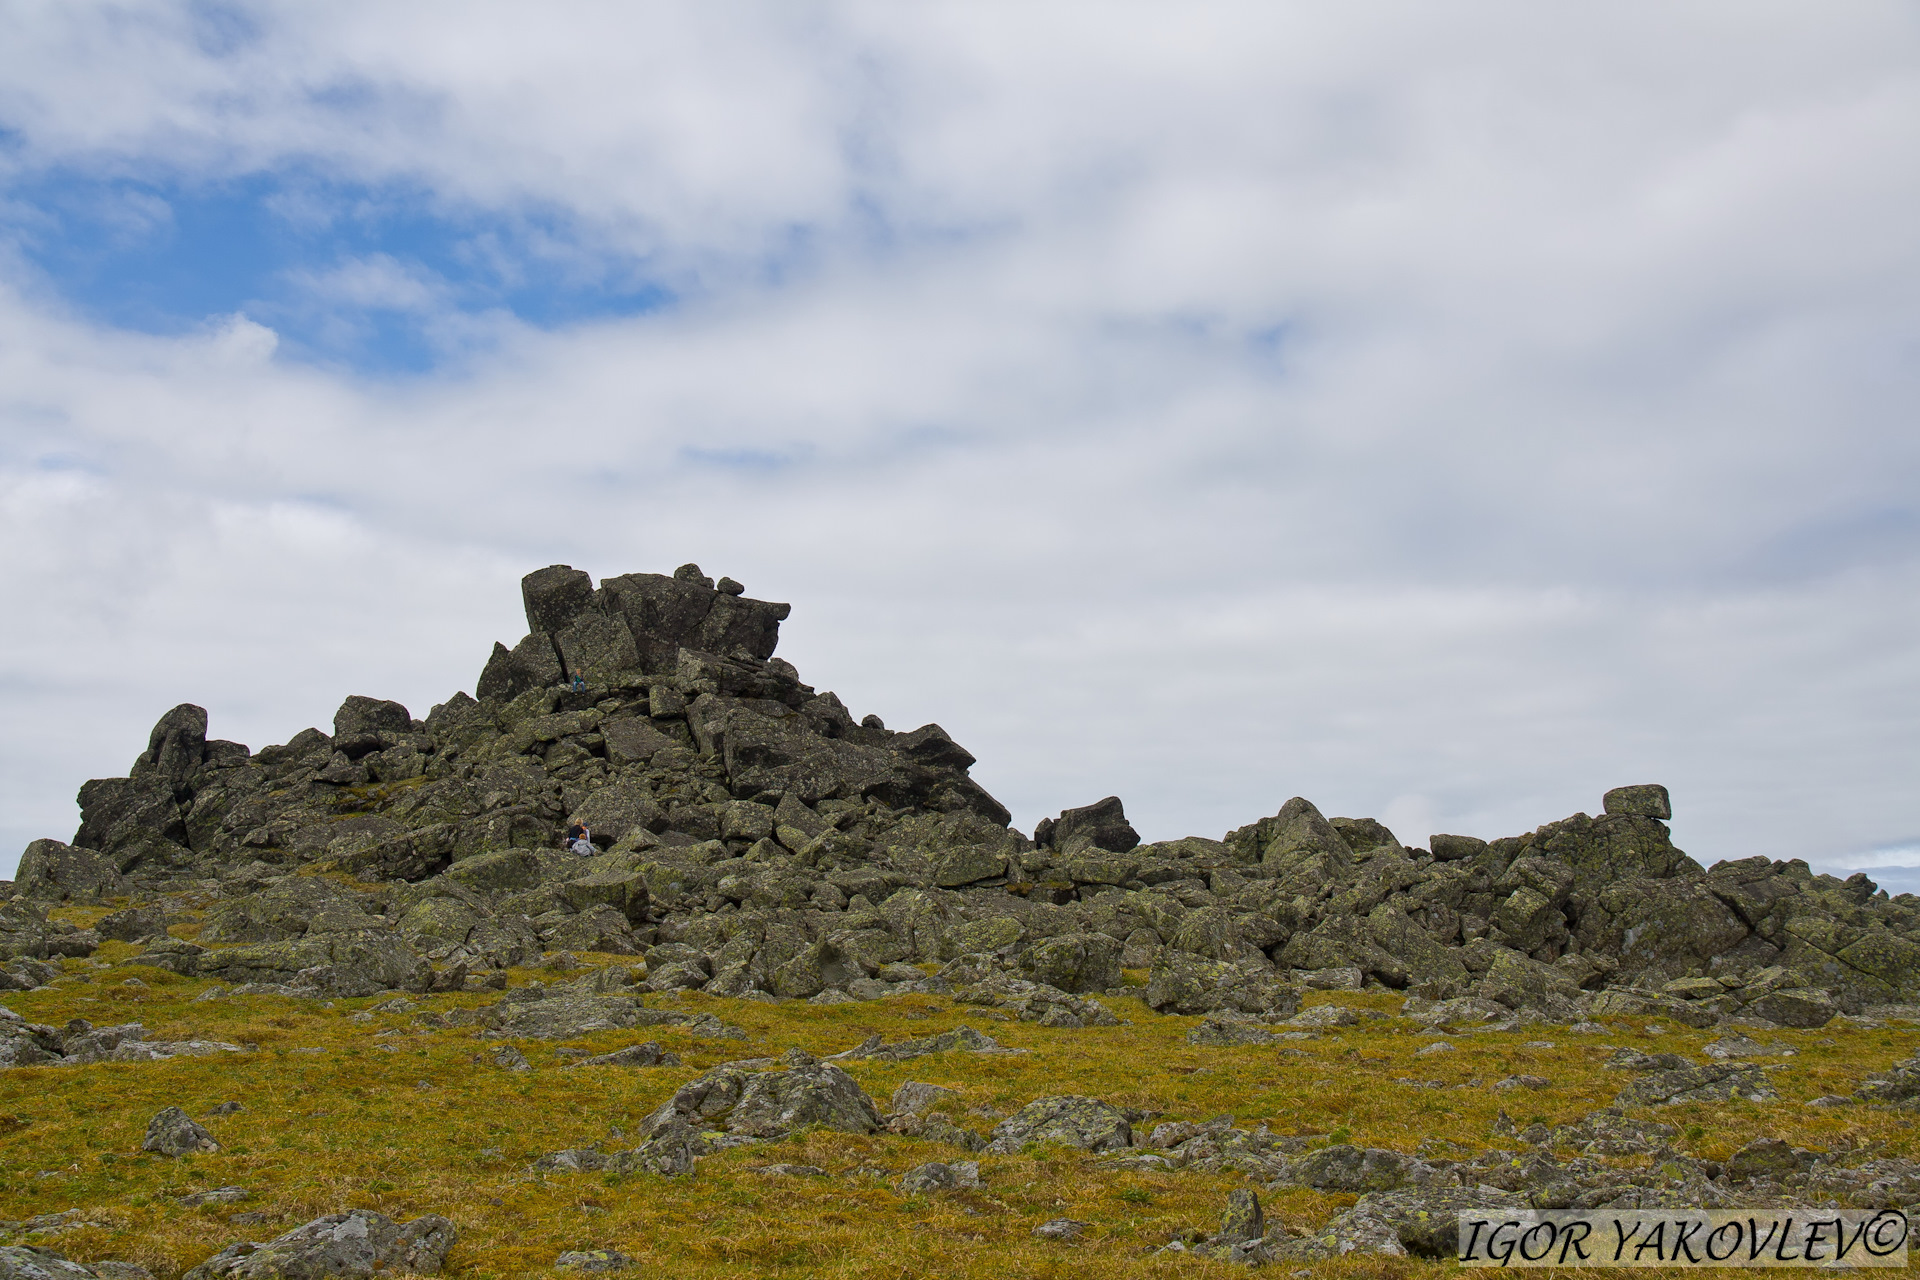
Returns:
point(755, 839)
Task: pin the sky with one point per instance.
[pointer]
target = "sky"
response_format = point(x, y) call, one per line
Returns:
point(1445, 413)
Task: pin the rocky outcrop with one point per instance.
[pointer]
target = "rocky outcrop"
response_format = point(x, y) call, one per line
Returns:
point(753, 838)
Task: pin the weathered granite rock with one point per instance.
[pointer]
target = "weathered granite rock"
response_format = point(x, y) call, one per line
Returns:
point(54, 872)
point(351, 1245)
point(1084, 1123)
point(32, 1262)
point(1184, 983)
point(1100, 825)
point(1349, 1168)
point(935, 1176)
point(1074, 962)
point(174, 1133)
point(1718, 1082)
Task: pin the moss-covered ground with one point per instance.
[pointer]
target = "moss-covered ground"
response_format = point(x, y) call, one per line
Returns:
point(378, 1113)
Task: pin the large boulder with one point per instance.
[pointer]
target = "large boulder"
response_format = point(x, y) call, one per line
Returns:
point(1299, 829)
point(566, 1017)
point(500, 872)
point(352, 1245)
point(54, 872)
point(555, 596)
point(1345, 1167)
point(1659, 929)
point(666, 614)
point(769, 1104)
point(1071, 1121)
point(290, 907)
point(135, 820)
point(1182, 983)
point(1648, 800)
point(624, 891)
point(597, 648)
point(176, 747)
point(618, 810)
point(26, 931)
point(1100, 825)
point(32, 1262)
point(361, 963)
point(1614, 846)
point(359, 717)
point(1519, 982)
point(775, 1103)
point(1074, 962)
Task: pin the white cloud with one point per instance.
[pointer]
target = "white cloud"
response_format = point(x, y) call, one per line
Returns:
point(1445, 416)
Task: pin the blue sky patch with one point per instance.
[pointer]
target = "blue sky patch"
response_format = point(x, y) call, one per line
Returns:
point(377, 279)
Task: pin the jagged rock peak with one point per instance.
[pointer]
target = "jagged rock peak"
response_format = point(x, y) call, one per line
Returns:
point(632, 625)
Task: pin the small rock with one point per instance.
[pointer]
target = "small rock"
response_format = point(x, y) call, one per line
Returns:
point(511, 1059)
point(114, 1269)
point(1060, 1229)
point(592, 1260)
point(791, 1171)
point(1739, 1046)
point(224, 1108)
point(219, 1195)
point(174, 1133)
point(935, 1176)
point(1524, 1082)
point(1437, 1047)
point(914, 1097)
point(637, 1055)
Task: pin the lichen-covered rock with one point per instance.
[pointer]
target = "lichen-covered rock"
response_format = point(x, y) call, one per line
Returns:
point(936, 1176)
point(1085, 1123)
point(54, 872)
point(174, 1133)
point(1795, 1007)
point(766, 1104)
point(348, 1245)
point(566, 1017)
point(1717, 1082)
point(639, 1055)
point(1224, 1031)
point(959, 1039)
point(1187, 984)
point(1074, 962)
point(1035, 1002)
point(1901, 1083)
point(1422, 1221)
point(1349, 1168)
point(775, 1103)
point(25, 931)
point(593, 1260)
point(31, 1262)
point(360, 963)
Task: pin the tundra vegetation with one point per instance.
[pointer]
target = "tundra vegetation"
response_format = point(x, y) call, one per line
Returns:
point(813, 1007)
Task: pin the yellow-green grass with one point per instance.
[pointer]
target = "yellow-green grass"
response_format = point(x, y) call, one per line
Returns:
point(433, 1126)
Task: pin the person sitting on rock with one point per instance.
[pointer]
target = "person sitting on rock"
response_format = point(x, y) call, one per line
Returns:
point(579, 682)
point(580, 840)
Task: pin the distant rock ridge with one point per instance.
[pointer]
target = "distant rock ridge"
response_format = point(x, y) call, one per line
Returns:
point(755, 839)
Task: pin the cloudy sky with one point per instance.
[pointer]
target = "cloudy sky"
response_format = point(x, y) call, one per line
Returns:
point(1442, 412)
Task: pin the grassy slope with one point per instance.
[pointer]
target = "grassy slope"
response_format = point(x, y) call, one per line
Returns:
point(432, 1126)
